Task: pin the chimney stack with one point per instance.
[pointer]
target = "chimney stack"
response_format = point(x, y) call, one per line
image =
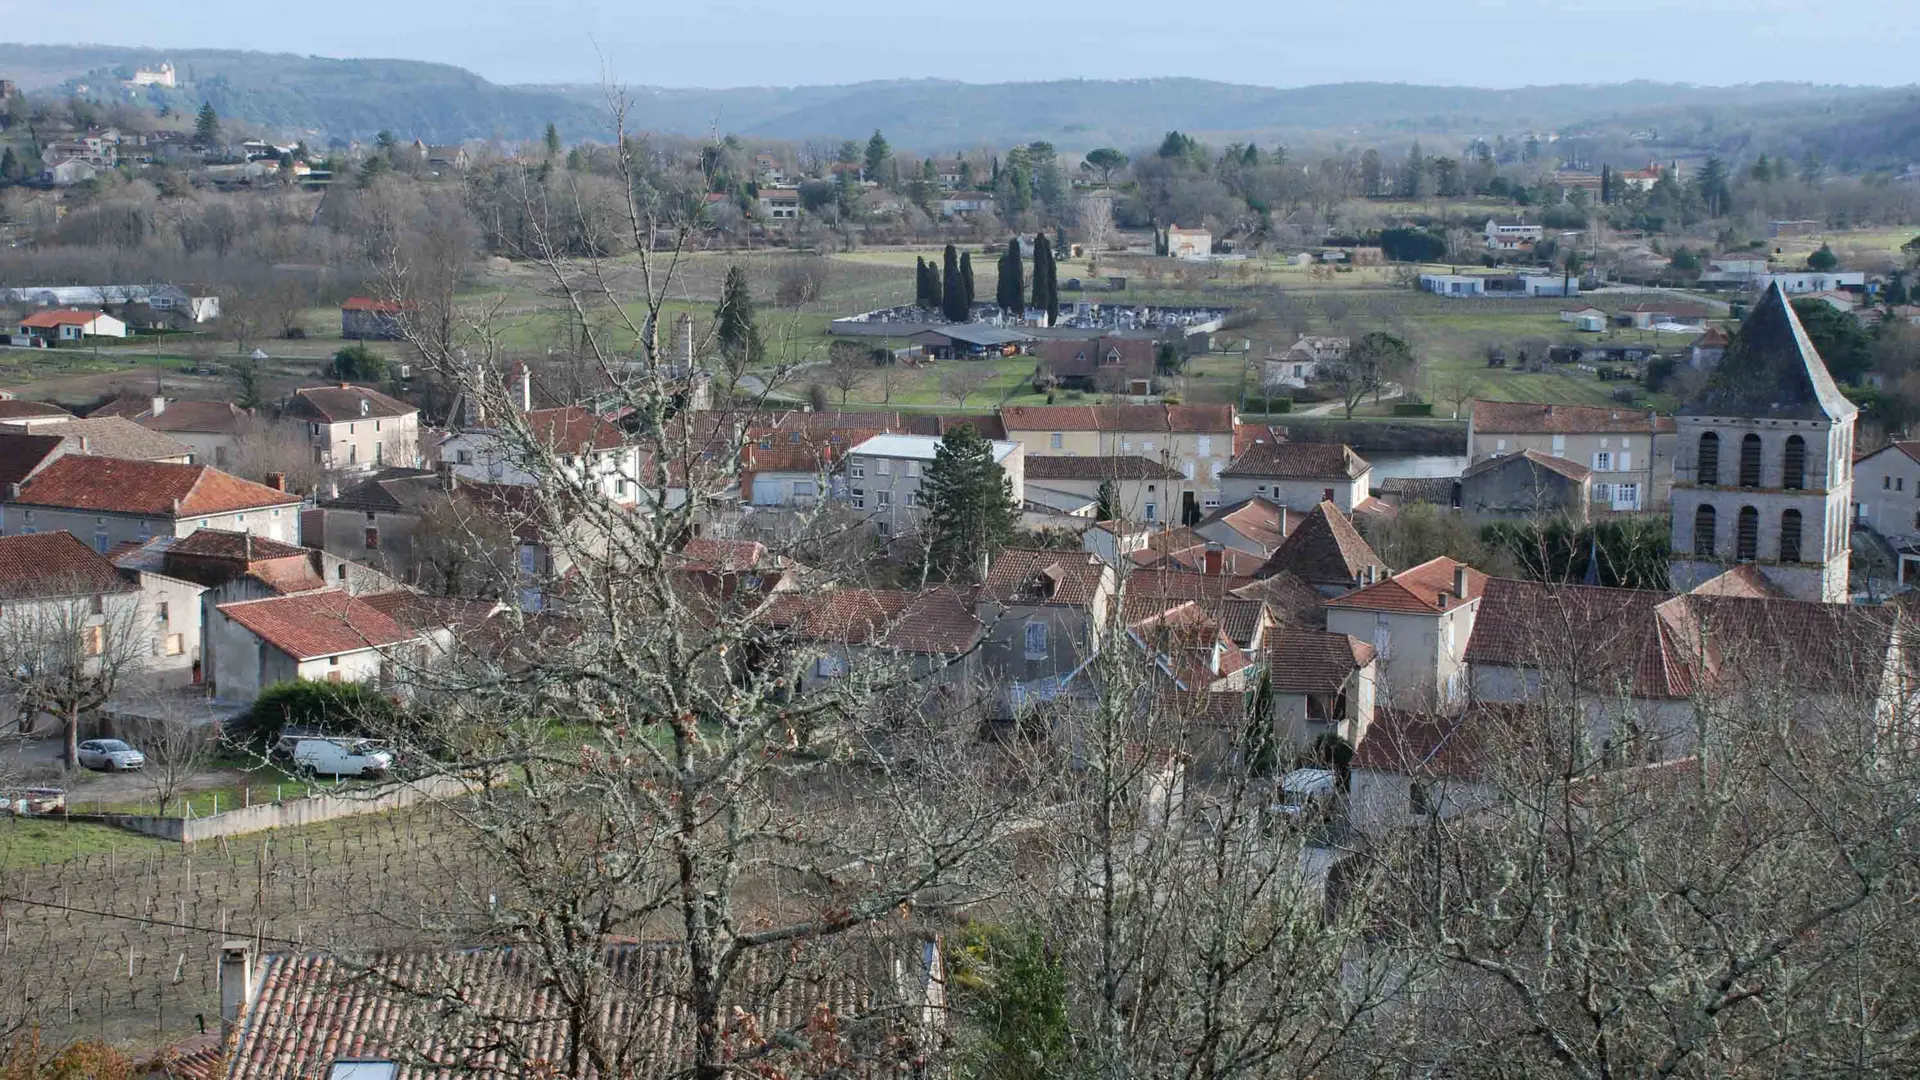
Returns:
point(159, 405)
point(526, 389)
point(1460, 580)
point(1549, 408)
point(1216, 556)
point(683, 339)
point(236, 984)
point(277, 481)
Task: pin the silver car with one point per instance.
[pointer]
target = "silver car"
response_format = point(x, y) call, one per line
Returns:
point(110, 755)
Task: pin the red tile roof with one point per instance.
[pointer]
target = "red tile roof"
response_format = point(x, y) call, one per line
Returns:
point(1126, 467)
point(567, 430)
point(1248, 436)
point(21, 455)
point(21, 409)
point(935, 621)
point(1324, 549)
point(1298, 461)
point(145, 488)
point(1424, 589)
point(343, 403)
point(1527, 418)
point(1314, 661)
point(1178, 419)
point(1195, 647)
point(1421, 744)
point(55, 564)
point(1026, 577)
point(205, 417)
point(1259, 520)
point(233, 544)
point(1572, 470)
point(47, 320)
point(312, 625)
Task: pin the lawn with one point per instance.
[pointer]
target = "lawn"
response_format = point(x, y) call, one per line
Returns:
point(26, 842)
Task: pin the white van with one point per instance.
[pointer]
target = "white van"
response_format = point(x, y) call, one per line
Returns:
point(340, 757)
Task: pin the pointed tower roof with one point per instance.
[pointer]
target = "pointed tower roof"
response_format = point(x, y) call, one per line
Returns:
point(1773, 371)
point(1324, 549)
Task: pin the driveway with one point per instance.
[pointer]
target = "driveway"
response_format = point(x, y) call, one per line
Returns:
point(1337, 408)
point(34, 761)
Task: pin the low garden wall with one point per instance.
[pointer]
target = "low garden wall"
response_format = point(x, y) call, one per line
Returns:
point(310, 810)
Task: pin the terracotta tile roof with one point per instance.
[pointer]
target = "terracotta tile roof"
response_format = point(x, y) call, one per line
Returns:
point(1181, 419)
point(1314, 661)
point(203, 417)
point(1527, 418)
point(419, 611)
point(1324, 549)
point(145, 488)
point(20, 409)
point(1421, 744)
point(1191, 642)
point(1609, 641)
point(1288, 600)
point(1259, 520)
point(1126, 467)
point(1248, 436)
point(1025, 577)
point(1570, 469)
point(1202, 707)
point(316, 624)
point(1298, 461)
point(987, 424)
point(1182, 583)
point(1746, 580)
point(117, 437)
point(935, 622)
point(1136, 356)
point(21, 455)
point(55, 564)
point(47, 320)
point(345, 402)
point(1423, 589)
point(233, 544)
point(567, 430)
point(312, 1009)
point(724, 556)
point(1910, 449)
point(1408, 490)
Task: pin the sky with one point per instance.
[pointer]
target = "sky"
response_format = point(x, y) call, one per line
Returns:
point(725, 43)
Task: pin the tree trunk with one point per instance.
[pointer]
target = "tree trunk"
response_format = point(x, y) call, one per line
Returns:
point(70, 752)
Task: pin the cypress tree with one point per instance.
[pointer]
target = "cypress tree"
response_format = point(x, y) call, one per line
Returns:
point(920, 296)
point(1013, 288)
point(966, 279)
point(953, 300)
point(1046, 288)
point(1606, 184)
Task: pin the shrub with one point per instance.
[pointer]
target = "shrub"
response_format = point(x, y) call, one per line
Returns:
point(1412, 408)
point(358, 362)
point(335, 708)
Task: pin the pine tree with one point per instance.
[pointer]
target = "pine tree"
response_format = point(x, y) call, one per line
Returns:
point(971, 513)
point(966, 279)
point(9, 166)
point(553, 142)
point(1012, 293)
point(953, 299)
point(206, 127)
point(877, 154)
point(1606, 185)
point(737, 333)
point(1106, 502)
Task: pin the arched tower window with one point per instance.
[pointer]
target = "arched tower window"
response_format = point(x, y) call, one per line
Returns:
point(1747, 538)
point(1790, 536)
point(1710, 459)
point(1705, 524)
point(1794, 464)
point(1750, 461)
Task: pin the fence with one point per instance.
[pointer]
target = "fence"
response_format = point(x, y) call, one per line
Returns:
point(294, 812)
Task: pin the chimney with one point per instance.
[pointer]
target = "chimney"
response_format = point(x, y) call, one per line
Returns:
point(526, 389)
point(683, 339)
point(1216, 556)
point(1460, 580)
point(346, 386)
point(1549, 409)
point(13, 491)
point(86, 445)
point(277, 481)
point(236, 984)
point(159, 405)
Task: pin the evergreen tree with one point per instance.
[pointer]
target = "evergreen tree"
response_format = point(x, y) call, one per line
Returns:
point(1012, 292)
point(920, 282)
point(737, 333)
point(1606, 185)
point(1046, 288)
point(966, 279)
point(206, 128)
point(971, 513)
point(1106, 502)
point(9, 166)
point(1762, 171)
point(877, 154)
point(932, 300)
point(553, 142)
point(953, 297)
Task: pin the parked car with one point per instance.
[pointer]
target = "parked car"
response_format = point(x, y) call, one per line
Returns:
point(341, 757)
point(110, 755)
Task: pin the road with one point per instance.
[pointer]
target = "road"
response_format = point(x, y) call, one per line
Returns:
point(1337, 408)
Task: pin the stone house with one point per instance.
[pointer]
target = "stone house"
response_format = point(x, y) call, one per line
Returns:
point(1144, 489)
point(1196, 441)
point(1044, 613)
point(326, 636)
point(109, 501)
point(1323, 683)
point(366, 319)
point(1326, 552)
point(356, 428)
point(1528, 484)
point(1631, 452)
point(923, 638)
point(214, 431)
point(884, 474)
point(1419, 623)
point(584, 446)
point(1300, 476)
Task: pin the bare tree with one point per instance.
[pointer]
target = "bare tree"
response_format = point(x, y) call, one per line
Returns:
point(1096, 223)
point(64, 654)
point(848, 367)
point(889, 376)
point(277, 447)
point(962, 381)
point(177, 748)
point(800, 281)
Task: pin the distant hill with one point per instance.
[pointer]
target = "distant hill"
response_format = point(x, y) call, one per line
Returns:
point(318, 96)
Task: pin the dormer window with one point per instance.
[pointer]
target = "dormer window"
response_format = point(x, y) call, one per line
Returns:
point(365, 407)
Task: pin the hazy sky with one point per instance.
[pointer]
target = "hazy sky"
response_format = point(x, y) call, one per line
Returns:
point(1283, 43)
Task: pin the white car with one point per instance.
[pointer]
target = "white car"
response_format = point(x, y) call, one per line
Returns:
point(110, 755)
point(341, 757)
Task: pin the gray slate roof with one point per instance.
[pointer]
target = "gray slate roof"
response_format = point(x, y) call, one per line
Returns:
point(1772, 371)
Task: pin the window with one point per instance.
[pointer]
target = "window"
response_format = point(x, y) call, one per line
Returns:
point(1382, 637)
point(857, 471)
point(333, 661)
point(1602, 461)
point(1790, 536)
point(1211, 502)
point(175, 645)
point(353, 453)
point(464, 457)
point(1036, 640)
point(883, 498)
point(97, 604)
point(1153, 512)
point(1626, 497)
point(1705, 522)
point(372, 540)
point(1603, 493)
point(161, 611)
point(1560, 444)
point(1747, 536)
point(1750, 461)
point(341, 571)
point(913, 470)
point(883, 467)
point(379, 452)
point(93, 640)
point(314, 430)
point(909, 499)
point(882, 528)
point(859, 499)
point(1326, 494)
point(1126, 445)
point(333, 676)
point(827, 667)
point(529, 559)
point(1057, 441)
point(1147, 445)
point(1709, 472)
point(100, 542)
point(1501, 445)
point(1203, 446)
